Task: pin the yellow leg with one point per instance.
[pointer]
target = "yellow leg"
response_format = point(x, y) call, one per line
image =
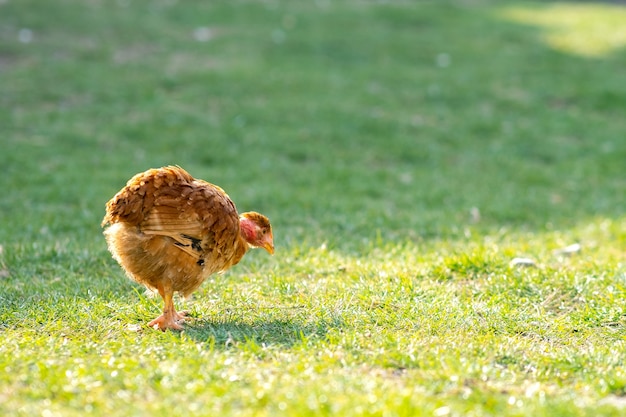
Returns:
point(170, 318)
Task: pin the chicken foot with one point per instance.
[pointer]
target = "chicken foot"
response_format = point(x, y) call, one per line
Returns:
point(170, 318)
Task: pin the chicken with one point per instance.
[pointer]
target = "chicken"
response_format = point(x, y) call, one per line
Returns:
point(170, 231)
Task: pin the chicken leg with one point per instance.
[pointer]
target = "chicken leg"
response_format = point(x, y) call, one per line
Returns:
point(170, 318)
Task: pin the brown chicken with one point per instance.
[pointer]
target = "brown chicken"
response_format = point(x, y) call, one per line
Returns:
point(170, 231)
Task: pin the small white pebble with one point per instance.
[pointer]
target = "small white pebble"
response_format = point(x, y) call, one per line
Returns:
point(203, 34)
point(569, 250)
point(442, 411)
point(25, 35)
point(522, 262)
point(133, 327)
point(443, 60)
point(278, 36)
point(475, 214)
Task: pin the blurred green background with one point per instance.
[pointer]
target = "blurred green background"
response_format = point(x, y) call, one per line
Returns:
point(341, 120)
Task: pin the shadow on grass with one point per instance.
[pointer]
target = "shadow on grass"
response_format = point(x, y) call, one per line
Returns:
point(261, 333)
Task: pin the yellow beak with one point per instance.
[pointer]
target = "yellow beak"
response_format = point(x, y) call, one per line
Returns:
point(268, 244)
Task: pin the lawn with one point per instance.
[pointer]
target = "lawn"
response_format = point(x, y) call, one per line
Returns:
point(407, 153)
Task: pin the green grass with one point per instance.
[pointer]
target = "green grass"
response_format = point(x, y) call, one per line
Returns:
point(405, 152)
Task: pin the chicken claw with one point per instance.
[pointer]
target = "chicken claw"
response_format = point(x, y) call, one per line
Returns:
point(169, 320)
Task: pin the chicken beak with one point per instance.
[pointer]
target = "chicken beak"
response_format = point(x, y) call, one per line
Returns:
point(268, 244)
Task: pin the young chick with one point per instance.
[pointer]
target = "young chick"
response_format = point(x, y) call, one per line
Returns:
point(170, 231)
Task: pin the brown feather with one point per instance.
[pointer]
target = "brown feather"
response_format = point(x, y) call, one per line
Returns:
point(169, 230)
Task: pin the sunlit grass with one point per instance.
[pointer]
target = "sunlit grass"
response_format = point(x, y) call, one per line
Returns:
point(436, 327)
point(590, 30)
